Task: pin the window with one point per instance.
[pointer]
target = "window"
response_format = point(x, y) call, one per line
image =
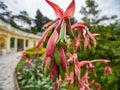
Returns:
point(12, 42)
point(26, 43)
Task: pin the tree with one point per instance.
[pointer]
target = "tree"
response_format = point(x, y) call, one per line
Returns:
point(73, 20)
point(4, 13)
point(91, 14)
point(3, 6)
point(40, 20)
point(23, 16)
point(21, 21)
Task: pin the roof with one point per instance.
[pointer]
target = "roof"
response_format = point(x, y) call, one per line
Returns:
point(7, 27)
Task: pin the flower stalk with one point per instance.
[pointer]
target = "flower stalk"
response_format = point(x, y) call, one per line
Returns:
point(61, 64)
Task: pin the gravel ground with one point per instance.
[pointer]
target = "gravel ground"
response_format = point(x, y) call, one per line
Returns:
point(7, 68)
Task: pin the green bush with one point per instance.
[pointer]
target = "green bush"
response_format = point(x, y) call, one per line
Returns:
point(32, 78)
point(32, 52)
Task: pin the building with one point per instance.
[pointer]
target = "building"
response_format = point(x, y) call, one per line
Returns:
point(12, 39)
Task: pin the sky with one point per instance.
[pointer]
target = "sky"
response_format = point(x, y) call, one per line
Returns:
point(107, 7)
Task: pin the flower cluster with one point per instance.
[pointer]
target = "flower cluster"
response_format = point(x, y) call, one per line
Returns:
point(59, 64)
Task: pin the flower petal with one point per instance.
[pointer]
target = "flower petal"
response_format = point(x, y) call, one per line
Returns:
point(108, 70)
point(48, 24)
point(78, 25)
point(51, 44)
point(77, 72)
point(43, 37)
point(70, 10)
point(63, 58)
point(57, 84)
point(98, 87)
point(53, 69)
point(58, 11)
point(86, 42)
point(83, 63)
point(92, 37)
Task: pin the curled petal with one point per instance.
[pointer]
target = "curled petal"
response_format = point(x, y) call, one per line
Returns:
point(67, 36)
point(70, 10)
point(78, 25)
point(108, 70)
point(91, 66)
point(92, 37)
point(84, 82)
point(98, 87)
point(95, 34)
point(83, 63)
point(57, 85)
point(58, 11)
point(105, 61)
point(77, 72)
point(85, 77)
point(48, 24)
point(63, 58)
point(69, 55)
point(69, 78)
point(73, 58)
point(86, 42)
point(77, 43)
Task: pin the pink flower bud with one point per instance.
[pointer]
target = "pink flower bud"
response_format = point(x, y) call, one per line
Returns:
point(108, 70)
point(51, 44)
point(83, 63)
point(62, 57)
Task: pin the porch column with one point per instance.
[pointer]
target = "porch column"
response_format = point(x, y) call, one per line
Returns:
point(31, 44)
point(15, 44)
point(8, 43)
point(24, 44)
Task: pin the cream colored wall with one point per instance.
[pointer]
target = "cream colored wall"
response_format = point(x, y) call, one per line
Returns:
point(8, 34)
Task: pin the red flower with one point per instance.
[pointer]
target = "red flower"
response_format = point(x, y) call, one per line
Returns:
point(83, 63)
point(57, 84)
point(45, 34)
point(79, 25)
point(50, 47)
point(84, 35)
point(69, 78)
point(77, 72)
point(53, 69)
point(98, 87)
point(63, 58)
point(60, 13)
point(108, 70)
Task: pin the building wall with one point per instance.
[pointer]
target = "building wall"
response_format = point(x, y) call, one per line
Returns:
point(14, 40)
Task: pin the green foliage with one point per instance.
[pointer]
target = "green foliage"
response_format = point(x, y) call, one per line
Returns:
point(108, 46)
point(20, 65)
point(91, 14)
point(23, 18)
point(32, 78)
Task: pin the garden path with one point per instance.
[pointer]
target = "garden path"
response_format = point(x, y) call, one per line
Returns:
point(7, 68)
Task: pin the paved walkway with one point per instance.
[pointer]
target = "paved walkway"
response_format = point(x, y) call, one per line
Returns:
point(7, 68)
